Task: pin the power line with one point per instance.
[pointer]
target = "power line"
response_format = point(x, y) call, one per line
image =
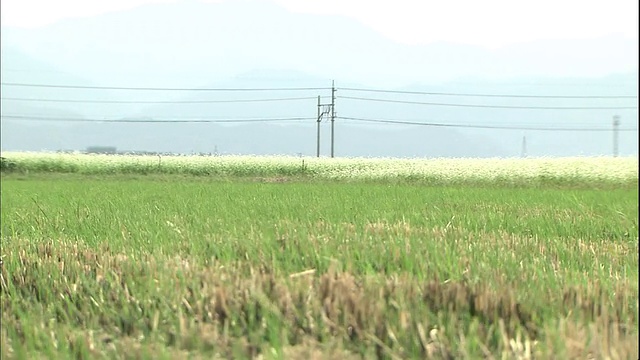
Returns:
point(158, 102)
point(46, 118)
point(495, 95)
point(33, 71)
point(161, 88)
point(323, 88)
point(406, 122)
point(494, 106)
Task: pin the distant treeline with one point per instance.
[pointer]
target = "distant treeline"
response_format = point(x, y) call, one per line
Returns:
point(113, 151)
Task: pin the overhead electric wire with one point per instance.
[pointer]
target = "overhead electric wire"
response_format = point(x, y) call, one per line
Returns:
point(494, 95)
point(409, 122)
point(493, 106)
point(160, 88)
point(158, 101)
point(61, 86)
point(370, 120)
point(167, 121)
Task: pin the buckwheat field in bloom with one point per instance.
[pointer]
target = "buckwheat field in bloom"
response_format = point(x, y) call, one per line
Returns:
point(176, 257)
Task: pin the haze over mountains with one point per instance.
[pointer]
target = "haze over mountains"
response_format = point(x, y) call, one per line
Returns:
point(256, 44)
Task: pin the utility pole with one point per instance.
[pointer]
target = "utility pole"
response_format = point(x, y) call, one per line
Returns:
point(524, 146)
point(616, 124)
point(333, 113)
point(323, 109)
point(318, 135)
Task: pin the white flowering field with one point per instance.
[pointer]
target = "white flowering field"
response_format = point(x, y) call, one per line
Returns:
point(573, 169)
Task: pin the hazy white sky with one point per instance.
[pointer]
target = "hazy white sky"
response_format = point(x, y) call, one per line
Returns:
point(488, 23)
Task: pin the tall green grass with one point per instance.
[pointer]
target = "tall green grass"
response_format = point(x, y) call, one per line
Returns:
point(191, 268)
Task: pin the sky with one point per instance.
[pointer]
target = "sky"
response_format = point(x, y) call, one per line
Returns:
point(490, 23)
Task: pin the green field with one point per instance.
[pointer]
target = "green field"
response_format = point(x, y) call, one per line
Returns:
point(119, 257)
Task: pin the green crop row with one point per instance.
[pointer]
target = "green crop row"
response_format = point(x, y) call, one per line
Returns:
point(184, 268)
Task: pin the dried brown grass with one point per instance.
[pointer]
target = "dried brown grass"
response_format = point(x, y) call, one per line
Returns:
point(96, 303)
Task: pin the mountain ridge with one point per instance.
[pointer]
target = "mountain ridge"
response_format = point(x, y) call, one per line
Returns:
point(229, 53)
point(224, 38)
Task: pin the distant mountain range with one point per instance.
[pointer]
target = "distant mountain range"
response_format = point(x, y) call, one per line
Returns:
point(198, 43)
point(223, 45)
